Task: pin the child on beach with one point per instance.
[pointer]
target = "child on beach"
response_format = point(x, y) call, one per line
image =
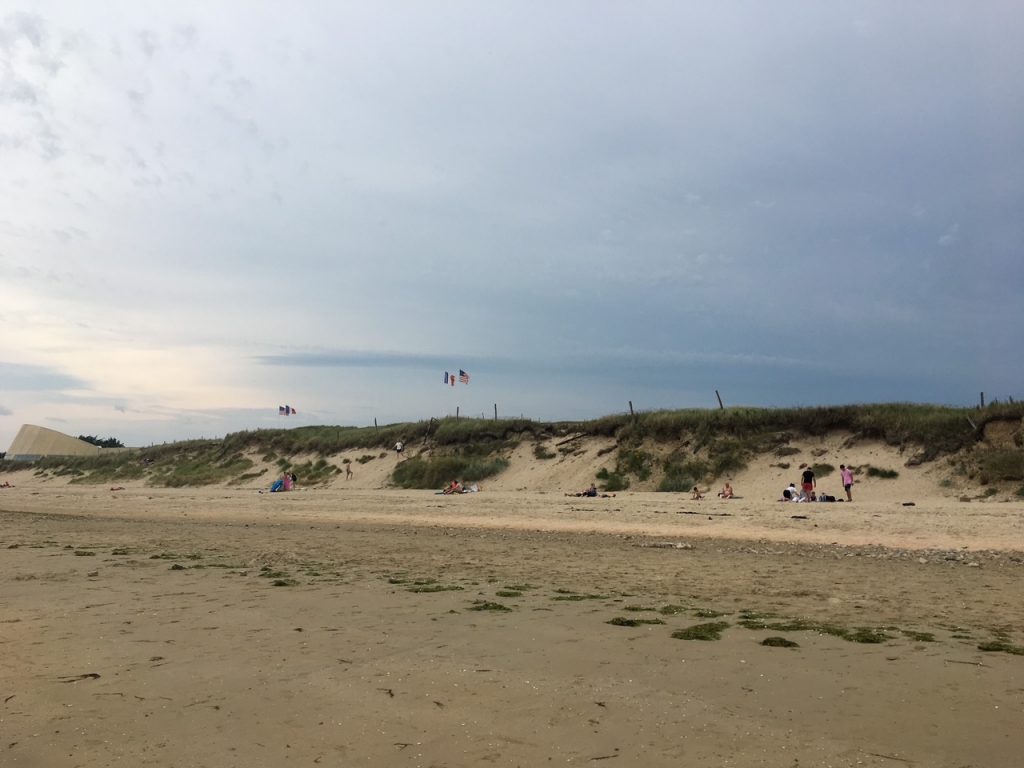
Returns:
point(847, 477)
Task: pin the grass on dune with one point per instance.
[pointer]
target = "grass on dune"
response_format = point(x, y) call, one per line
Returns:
point(710, 444)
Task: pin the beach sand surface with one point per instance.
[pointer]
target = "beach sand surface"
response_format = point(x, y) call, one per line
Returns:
point(354, 625)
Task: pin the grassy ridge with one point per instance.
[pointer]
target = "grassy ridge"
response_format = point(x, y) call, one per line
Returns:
point(706, 444)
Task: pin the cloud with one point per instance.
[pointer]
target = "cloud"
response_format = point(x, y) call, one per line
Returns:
point(149, 42)
point(137, 99)
point(658, 204)
point(30, 61)
point(950, 236)
point(367, 359)
point(21, 25)
point(15, 377)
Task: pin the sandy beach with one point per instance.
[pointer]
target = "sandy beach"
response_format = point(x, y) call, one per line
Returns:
point(363, 626)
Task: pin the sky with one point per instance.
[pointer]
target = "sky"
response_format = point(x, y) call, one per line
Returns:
point(210, 210)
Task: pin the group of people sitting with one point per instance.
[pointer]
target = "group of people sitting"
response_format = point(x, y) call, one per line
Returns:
point(286, 483)
point(5, 484)
point(794, 494)
point(726, 493)
point(697, 495)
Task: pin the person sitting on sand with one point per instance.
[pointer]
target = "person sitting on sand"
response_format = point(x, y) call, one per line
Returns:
point(454, 487)
point(5, 484)
point(726, 492)
point(697, 495)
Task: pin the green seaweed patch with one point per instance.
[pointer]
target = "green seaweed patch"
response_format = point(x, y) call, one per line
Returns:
point(750, 615)
point(1001, 633)
point(620, 621)
point(487, 605)
point(178, 567)
point(1001, 646)
point(921, 637)
point(866, 635)
point(508, 593)
point(710, 631)
point(434, 588)
point(707, 613)
point(672, 610)
point(575, 597)
point(120, 551)
point(779, 642)
point(84, 553)
point(267, 572)
point(858, 635)
point(176, 556)
point(283, 583)
point(638, 608)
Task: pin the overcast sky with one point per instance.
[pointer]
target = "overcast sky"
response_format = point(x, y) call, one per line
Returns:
point(208, 210)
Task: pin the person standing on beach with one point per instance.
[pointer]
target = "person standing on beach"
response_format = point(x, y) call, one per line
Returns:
point(809, 483)
point(399, 447)
point(847, 474)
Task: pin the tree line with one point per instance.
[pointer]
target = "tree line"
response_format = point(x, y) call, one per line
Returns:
point(102, 442)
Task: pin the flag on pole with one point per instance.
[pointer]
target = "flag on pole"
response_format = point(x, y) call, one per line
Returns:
point(451, 380)
point(463, 376)
point(285, 410)
point(446, 377)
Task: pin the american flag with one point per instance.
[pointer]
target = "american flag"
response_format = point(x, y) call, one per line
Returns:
point(463, 376)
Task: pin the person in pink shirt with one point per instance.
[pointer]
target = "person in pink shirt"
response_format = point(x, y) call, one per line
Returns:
point(847, 475)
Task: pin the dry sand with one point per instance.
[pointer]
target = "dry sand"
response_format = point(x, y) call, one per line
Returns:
point(143, 627)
